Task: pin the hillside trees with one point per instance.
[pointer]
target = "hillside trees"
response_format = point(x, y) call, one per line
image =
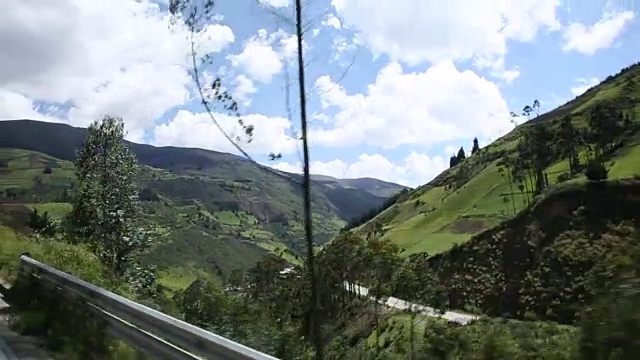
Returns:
point(606, 125)
point(457, 158)
point(526, 111)
point(475, 147)
point(526, 168)
point(106, 211)
point(568, 142)
point(461, 155)
point(536, 107)
point(453, 161)
point(539, 142)
point(541, 145)
point(508, 170)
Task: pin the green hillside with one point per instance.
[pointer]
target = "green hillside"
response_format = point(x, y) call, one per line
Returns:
point(215, 212)
point(477, 194)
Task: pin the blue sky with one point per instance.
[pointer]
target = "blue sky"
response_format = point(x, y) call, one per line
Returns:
point(393, 90)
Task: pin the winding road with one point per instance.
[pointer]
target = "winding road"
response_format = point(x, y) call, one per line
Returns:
point(395, 303)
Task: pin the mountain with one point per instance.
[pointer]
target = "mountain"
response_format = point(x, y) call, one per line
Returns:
point(214, 210)
point(376, 187)
point(353, 196)
point(478, 194)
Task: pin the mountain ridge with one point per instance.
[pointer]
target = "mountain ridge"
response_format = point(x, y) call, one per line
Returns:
point(66, 154)
point(212, 211)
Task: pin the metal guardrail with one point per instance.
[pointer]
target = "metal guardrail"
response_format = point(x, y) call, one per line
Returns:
point(149, 331)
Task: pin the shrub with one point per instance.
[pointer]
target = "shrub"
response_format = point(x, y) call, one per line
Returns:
point(563, 177)
point(596, 172)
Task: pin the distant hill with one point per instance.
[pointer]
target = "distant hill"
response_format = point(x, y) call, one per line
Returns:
point(476, 195)
point(374, 186)
point(214, 209)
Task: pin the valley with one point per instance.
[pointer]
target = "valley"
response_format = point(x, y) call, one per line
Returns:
point(213, 212)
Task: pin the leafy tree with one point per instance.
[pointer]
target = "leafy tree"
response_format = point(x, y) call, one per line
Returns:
point(204, 304)
point(476, 146)
point(106, 208)
point(461, 155)
point(536, 154)
point(453, 161)
point(536, 106)
point(526, 111)
point(42, 223)
point(568, 141)
point(507, 169)
point(606, 126)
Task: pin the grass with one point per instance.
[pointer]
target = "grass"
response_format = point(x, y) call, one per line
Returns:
point(280, 250)
point(177, 278)
point(515, 339)
point(55, 210)
point(434, 217)
point(209, 219)
point(74, 259)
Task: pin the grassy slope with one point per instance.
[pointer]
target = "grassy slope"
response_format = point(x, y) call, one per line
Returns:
point(60, 141)
point(194, 232)
point(435, 217)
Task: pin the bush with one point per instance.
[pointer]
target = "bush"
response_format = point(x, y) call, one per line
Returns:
point(563, 177)
point(596, 172)
point(147, 194)
point(42, 223)
point(47, 170)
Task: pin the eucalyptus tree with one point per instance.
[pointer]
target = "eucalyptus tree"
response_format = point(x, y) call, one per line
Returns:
point(107, 212)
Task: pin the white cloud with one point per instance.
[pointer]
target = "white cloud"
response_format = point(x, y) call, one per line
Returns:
point(340, 46)
point(584, 85)
point(198, 130)
point(414, 31)
point(414, 170)
point(115, 57)
point(332, 21)
point(15, 106)
point(264, 54)
point(258, 59)
point(243, 88)
point(275, 3)
point(601, 35)
point(421, 108)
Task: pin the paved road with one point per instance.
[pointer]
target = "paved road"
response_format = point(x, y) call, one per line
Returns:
point(14, 346)
point(392, 302)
